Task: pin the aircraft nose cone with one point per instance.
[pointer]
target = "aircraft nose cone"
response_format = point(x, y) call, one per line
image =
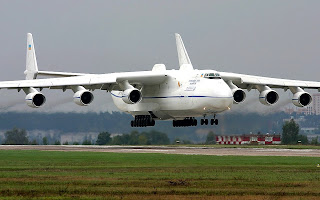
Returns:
point(226, 96)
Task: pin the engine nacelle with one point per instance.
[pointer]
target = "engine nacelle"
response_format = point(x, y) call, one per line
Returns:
point(83, 97)
point(301, 99)
point(238, 95)
point(268, 97)
point(35, 99)
point(131, 96)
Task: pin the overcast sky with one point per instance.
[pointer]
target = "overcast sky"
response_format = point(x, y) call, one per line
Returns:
point(268, 38)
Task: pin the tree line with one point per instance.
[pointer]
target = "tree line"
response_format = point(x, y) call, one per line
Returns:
point(19, 137)
point(290, 135)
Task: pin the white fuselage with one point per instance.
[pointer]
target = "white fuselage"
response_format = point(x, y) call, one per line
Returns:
point(183, 94)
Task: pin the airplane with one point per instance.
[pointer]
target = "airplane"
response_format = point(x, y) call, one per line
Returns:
point(160, 94)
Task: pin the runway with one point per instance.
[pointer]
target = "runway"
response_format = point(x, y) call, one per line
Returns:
point(171, 150)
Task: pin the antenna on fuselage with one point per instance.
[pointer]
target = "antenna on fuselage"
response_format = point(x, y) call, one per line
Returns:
point(184, 60)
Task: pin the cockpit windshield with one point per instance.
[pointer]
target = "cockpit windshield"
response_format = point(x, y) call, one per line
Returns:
point(212, 76)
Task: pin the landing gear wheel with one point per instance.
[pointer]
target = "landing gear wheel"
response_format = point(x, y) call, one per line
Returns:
point(212, 121)
point(206, 121)
point(216, 122)
point(202, 122)
point(195, 122)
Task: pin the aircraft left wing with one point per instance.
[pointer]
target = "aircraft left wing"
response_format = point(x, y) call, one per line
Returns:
point(244, 81)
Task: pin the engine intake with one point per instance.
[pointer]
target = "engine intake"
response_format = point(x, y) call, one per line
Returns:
point(131, 96)
point(35, 99)
point(83, 97)
point(301, 99)
point(238, 95)
point(268, 97)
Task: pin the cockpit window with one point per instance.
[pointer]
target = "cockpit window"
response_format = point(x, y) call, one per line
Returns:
point(212, 76)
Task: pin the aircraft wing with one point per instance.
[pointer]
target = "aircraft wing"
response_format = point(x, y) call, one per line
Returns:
point(244, 81)
point(104, 81)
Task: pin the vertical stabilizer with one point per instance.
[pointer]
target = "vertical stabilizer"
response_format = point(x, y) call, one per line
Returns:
point(31, 62)
point(184, 60)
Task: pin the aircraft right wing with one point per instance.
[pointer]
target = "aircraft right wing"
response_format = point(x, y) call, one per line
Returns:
point(244, 81)
point(104, 81)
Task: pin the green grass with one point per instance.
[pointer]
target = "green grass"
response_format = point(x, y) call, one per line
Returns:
point(250, 146)
point(93, 175)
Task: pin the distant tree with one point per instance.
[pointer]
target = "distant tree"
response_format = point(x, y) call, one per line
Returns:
point(117, 140)
point(121, 139)
point(16, 136)
point(143, 139)
point(134, 138)
point(156, 138)
point(86, 142)
point(57, 142)
point(75, 143)
point(211, 138)
point(187, 142)
point(45, 141)
point(66, 143)
point(314, 141)
point(290, 132)
point(34, 142)
point(103, 138)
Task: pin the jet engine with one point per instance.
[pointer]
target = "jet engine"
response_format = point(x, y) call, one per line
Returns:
point(83, 97)
point(268, 97)
point(35, 99)
point(131, 96)
point(238, 95)
point(301, 99)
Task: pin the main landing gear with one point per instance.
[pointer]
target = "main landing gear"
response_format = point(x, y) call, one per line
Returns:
point(142, 121)
point(186, 122)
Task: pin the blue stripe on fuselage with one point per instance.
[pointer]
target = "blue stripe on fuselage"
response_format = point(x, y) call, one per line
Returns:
point(166, 97)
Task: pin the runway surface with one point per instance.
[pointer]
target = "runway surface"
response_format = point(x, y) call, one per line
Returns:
point(171, 150)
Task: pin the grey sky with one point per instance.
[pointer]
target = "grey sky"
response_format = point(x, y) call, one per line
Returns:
point(269, 38)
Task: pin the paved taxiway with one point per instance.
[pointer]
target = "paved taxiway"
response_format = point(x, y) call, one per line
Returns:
point(171, 150)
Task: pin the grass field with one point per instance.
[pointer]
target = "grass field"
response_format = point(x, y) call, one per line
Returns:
point(252, 146)
point(93, 175)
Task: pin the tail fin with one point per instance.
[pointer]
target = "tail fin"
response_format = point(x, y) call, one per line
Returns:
point(184, 60)
point(31, 62)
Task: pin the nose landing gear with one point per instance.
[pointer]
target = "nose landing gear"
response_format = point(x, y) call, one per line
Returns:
point(213, 121)
point(204, 121)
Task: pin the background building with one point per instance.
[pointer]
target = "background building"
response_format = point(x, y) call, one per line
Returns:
point(312, 109)
point(249, 139)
